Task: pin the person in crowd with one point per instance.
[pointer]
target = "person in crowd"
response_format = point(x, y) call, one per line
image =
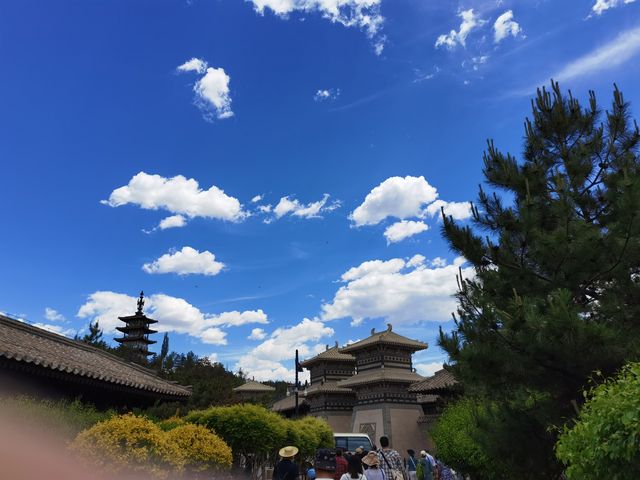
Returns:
point(325, 464)
point(373, 471)
point(430, 457)
point(286, 469)
point(309, 471)
point(411, 464)
point(425, 470)
point(390, 461)
point(341, 464)
point(354, 469)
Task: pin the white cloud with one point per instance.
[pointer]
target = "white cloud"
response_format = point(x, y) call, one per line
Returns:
point(67, 332)
point(612, 54)
point(418, 260)
point(213, 358)
point(395, 197)
point(404, 229)
point(212, 94)
point(174, 221)
point(438, 262)
point(257, 334)
point(178, 195)
point(470, 21)
point(330, 94)
point(286, 206)
point(505, 26)
point(187, 261)
point(480, 60)
point(602, 5)
point(264, 362)
point(212, 89)
point(256, 199)
point(52, 315)
point(173, 315)
point(428, 369)
point(362, 14)
point(193, 65)
point(400, 291)
point(458, 210)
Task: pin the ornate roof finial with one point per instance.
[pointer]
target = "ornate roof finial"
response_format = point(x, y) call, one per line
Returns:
point(373, 331)
point(140, 303)
point(389, 327)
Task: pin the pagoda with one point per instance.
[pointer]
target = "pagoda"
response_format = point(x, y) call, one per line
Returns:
point(136, 333)
point(326, 399)
point(383, 373)
point(254, 391)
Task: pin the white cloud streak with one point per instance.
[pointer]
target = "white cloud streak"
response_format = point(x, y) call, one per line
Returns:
point(404, 229)
point(602, 5)
point(470, 22)
point(53, 315)
point(289, 206)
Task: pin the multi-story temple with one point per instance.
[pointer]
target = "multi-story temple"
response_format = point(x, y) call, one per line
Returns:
point(326, 399)
point(364, 387)
point(136, 333)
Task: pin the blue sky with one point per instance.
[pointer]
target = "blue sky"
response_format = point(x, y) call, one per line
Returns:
point(267, 171)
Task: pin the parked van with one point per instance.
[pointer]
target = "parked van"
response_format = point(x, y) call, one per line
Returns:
point(348, 442)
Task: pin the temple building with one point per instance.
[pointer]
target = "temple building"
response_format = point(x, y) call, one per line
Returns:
point(364, 387)
point(36, 362)
point(136, 333)
point(433, 395)
point(384, 405)
point(253, 391)
point(326, 399)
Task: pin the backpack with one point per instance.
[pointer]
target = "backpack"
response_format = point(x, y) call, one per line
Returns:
point(420, 470)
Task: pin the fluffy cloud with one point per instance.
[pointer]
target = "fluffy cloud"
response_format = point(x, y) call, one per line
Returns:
point(174, 221)
point(256, 199)
point(52, 315)
point(264, 362)
point(505, 26)
point(173, 315)
point(457, 210)
point(362, 14)
point(212, 89)
point(178, 195)
point(395, 197)
point(213, 358)
point(610, 55)
point(212, 94)
point(330, 94)
point(397, 290)
point(187, 261)
point(67, 332)
point(257, 334)
point(404, 229)
point(602, 5)
point(470, 21)
point(294, 207)
point(193, 65)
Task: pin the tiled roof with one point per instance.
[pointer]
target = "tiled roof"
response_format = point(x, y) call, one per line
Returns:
point(327, 387)
point(441, 380)
point(252, 386)
point(379, 375)
point(27, 344)
point(386, 337)
point(288, 403)
point(332, 354)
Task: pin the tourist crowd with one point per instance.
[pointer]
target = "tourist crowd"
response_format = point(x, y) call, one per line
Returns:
point(383, 463)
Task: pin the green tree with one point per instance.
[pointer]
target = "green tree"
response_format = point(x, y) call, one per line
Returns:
point(555, 294)
point(94, 337)
point(605, 440)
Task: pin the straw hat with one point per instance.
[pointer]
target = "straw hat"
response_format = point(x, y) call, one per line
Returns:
point(288, 452)
point(371, 459)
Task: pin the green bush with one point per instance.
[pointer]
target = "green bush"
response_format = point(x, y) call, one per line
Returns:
point(456, 437)
point(605, 440)
point(201, 449)
point(62, 416)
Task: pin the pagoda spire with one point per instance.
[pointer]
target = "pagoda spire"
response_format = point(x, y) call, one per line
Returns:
point(140, 303)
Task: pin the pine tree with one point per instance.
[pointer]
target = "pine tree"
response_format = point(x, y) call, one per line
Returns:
point(94, 337)
point(556, 292)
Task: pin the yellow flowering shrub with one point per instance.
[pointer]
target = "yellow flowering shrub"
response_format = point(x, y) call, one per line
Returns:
point(201, 449)
point(129, 442)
